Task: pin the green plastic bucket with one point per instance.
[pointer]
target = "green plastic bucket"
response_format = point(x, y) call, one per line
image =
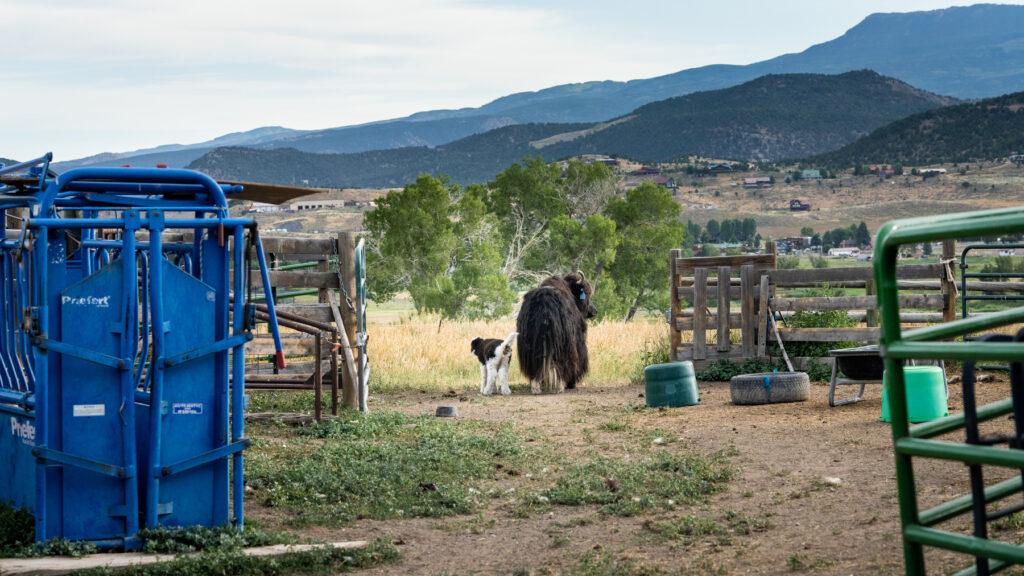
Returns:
point(673, 384)
point(926, 393)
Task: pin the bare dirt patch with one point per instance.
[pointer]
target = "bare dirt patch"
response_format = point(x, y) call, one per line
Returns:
point(781, 513)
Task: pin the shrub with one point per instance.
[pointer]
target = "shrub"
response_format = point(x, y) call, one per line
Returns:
point(787, 262)
point(654, 352)
point(819, 262)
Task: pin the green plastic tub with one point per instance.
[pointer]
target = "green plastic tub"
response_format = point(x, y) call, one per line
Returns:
point(926, 394)
point(673, 384)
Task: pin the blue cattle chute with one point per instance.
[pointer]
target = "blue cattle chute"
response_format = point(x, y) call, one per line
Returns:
point(122, 353)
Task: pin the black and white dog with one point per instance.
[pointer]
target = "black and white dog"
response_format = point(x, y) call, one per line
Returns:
point(494, 356)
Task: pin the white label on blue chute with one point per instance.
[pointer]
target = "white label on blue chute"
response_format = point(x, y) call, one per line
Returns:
point(88, 410)
point(187, 408)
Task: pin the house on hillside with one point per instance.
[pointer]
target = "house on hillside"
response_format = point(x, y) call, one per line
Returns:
point(760, 182)
point(263, 208)
point(720, 167)
point(304, 205)
point(646, 171)
point(665, 182)
point(810, 174)
point(850, 252)
point(931, 172)
point(797, 205)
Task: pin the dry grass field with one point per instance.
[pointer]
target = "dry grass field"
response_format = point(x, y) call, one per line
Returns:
point(415, 355)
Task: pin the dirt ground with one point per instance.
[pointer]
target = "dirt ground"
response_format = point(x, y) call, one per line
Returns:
point(783, 454)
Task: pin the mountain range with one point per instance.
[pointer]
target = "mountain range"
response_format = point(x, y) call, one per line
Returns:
point(964, 52)
point(986, 129)
point(773, 117)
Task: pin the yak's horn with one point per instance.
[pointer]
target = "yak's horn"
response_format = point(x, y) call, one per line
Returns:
point(582, 277)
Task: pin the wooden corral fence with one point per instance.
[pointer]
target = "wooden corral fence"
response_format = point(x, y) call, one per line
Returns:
point(706, 282)
point(318, 336)
point(722, 294)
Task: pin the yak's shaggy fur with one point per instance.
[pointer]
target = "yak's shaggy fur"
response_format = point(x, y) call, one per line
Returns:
point(494, 356)
point(552, 327)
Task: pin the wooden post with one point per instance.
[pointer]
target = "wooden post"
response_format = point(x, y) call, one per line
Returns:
point(762, 318)
point(674, 336)
point(723, 308)
point(318, 377)
point(872, 313)
point(747, 309)
point(949, 283)
point(347, 273)
point(700, 311)
point(335, 380)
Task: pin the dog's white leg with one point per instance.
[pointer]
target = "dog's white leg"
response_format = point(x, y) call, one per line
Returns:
point(492, 376)
point(503, 379)
point(483, 379)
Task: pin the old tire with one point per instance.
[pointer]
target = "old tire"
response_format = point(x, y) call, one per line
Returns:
point(770, 388)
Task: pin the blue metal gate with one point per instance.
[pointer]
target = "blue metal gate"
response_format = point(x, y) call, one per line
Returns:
point(116, 347)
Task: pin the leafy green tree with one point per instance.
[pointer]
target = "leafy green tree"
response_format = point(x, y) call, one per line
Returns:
point(862, 236)
point(525, 198)
point(807, 231)
point(589, 246)
point(437, 241)
point(648, 222)
point(749, 228)
point(713, 230)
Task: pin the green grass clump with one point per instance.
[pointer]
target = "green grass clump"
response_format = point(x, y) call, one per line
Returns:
point(385, 465)
point(222, 561)
point(623, 488)
point(200, 538)
point(604, 564)
point(693, 529)
point(688, 529)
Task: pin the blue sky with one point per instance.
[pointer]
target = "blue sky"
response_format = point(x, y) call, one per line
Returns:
point(80, 77)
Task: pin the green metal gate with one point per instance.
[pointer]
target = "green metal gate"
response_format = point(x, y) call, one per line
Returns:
point(919, 527)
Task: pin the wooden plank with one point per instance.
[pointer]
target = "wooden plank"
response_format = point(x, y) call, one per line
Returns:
point(675, 337)
point(747, 310)
point(722, 336)
point(292, 346)
point(758, 260)
point(905, 317)
point(316, 312)
point(686, 353)
point(298, 279)
point(995, 287)
point(828, 334)
point(686, 322)
point(762, 317)
point(820, 303)
point(58, 565)
point(283, 246)
point(855, 274)
point(686, 292)
point(700, 301)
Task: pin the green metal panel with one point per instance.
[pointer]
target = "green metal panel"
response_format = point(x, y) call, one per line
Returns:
point(897, 346)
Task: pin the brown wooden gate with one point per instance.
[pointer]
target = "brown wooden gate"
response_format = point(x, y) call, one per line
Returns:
point(725, 292)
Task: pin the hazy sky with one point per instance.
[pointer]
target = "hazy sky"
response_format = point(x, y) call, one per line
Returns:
point(84, 76)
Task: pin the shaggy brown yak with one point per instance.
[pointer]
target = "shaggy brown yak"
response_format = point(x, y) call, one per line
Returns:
point(552, 325)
